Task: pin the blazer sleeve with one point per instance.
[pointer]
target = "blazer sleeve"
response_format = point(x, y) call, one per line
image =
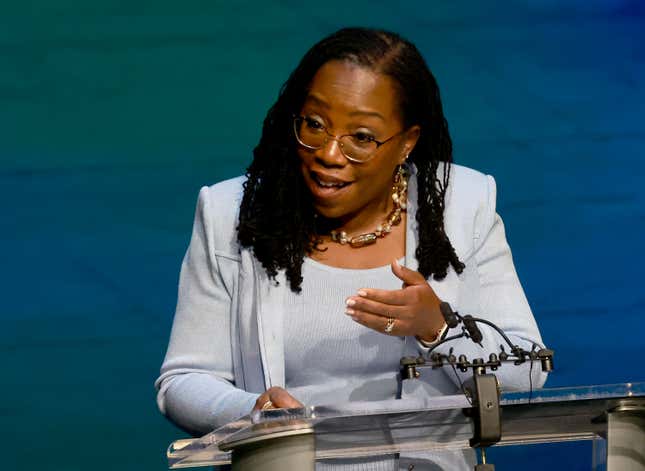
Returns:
point(501, 301)
point(196, 387)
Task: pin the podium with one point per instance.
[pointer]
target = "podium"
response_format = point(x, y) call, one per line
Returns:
point(612, 416)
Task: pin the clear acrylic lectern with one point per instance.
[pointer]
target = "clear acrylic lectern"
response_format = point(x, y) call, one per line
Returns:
point(611, 415)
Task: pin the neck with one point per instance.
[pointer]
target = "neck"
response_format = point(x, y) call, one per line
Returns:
point(362, 221)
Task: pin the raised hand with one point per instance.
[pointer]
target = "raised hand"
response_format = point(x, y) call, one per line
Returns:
point(411, 310)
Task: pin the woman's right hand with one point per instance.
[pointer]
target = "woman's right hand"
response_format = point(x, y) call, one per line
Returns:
point(278, 397)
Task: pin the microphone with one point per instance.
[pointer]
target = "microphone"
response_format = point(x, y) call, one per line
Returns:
point(448, 315)
point(473, 331)
point(546, 359)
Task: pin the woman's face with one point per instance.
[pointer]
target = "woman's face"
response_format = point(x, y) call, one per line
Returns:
point(346, 99)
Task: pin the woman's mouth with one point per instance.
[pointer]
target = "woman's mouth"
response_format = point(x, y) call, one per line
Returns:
point(326, 186)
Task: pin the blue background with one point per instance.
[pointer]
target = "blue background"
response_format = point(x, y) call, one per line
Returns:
point(113, 114)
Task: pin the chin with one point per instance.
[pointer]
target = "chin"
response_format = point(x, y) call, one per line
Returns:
point(330, 211)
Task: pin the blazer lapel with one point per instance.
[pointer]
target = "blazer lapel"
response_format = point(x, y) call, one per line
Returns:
point(249, 368)
point(270, 299)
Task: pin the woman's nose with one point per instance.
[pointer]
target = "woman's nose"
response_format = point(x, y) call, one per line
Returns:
point(330, 154)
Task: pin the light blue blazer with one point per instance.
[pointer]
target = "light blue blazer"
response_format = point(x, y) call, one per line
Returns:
point(227, 346)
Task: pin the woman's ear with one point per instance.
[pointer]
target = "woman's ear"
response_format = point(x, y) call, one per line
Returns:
point(411, 138)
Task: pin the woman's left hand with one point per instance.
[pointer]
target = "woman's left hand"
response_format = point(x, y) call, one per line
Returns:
point(414, 308)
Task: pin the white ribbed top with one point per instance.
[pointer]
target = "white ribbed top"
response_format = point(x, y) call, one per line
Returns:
point(331, 359)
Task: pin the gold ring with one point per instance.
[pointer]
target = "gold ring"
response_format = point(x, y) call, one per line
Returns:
point(390, 325)
point(267, 405)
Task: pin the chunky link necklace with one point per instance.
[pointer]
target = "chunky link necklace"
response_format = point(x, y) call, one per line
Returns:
point(399, 197)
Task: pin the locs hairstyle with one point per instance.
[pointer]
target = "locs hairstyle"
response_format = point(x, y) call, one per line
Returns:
point(276, 214)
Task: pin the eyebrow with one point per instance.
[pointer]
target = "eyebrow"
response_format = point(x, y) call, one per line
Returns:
point(324, 104)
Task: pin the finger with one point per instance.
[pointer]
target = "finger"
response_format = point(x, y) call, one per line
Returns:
point(370, 306)
point(282, 399)
point(261, 401)
point(409, 277)
point(380, 323)
point(392, 297)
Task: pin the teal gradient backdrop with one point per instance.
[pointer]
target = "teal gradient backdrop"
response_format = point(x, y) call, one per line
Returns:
point(113, 114)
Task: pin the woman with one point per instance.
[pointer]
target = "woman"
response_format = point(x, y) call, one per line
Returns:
point(307, 280)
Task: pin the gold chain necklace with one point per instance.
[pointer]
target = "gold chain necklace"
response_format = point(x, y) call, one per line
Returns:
point(399, 197)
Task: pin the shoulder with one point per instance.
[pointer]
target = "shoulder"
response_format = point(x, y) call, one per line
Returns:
point(221, 195)
point(467, 185)
point(222, 199)
point(469, 205)
point(468, 190)
point(218, 208)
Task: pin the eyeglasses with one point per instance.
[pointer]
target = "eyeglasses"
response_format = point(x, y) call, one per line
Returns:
point(358, 147)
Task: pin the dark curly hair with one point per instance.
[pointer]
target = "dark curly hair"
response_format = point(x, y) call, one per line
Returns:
point(276, 214)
